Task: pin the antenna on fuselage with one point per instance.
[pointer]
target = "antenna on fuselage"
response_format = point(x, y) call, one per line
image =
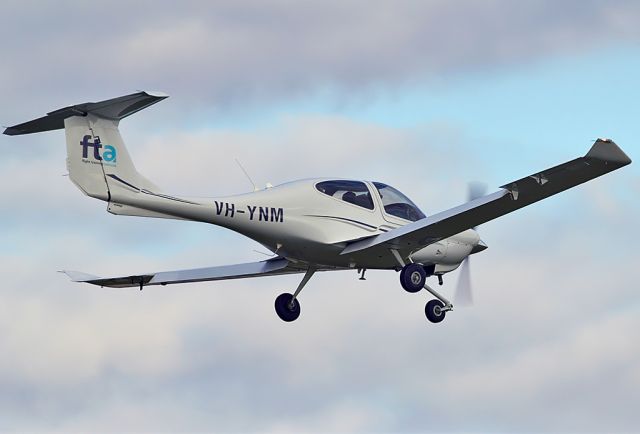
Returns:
point(246, 174)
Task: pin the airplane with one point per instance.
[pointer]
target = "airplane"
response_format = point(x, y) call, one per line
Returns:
point(310, 225)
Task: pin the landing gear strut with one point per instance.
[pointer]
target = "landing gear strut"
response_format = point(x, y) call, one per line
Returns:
point(287, 305)
point(435, 310)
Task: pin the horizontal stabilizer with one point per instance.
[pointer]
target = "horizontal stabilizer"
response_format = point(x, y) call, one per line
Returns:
point(113, 109)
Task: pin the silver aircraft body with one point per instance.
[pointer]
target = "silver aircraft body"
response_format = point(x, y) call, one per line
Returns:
point(310, 225)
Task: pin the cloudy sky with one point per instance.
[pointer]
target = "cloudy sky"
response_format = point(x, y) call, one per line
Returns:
point(424, 95)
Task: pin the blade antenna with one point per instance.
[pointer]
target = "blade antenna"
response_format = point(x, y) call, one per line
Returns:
point(246, 174)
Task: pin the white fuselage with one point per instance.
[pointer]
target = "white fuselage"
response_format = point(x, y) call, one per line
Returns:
point(297, 221)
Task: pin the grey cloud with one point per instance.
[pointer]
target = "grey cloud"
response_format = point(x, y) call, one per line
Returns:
point(228, 52)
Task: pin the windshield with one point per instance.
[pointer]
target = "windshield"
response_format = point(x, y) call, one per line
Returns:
point(397, 204)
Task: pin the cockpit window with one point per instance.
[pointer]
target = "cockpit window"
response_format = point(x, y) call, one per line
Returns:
point(397, 204)
point(354, 192)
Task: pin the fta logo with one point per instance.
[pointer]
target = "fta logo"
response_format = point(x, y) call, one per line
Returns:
point(106, 153)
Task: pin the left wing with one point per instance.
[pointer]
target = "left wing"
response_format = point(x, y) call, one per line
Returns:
point(603, 157)
point(270, 267)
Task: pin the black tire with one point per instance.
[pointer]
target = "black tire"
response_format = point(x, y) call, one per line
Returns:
point(286, 312)
point(433, 311)
point(413, 277)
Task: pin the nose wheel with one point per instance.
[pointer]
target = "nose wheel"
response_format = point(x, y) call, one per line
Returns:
point(435, 311)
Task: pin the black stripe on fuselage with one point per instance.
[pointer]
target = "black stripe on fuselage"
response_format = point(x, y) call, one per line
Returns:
point(117, 178)
point(164, 196)
point(344, 219)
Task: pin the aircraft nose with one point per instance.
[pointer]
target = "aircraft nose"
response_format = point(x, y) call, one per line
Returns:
point(479, 247)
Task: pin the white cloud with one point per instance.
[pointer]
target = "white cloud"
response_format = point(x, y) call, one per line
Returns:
point(307, 146)
point(549, 345)
point(362, 357)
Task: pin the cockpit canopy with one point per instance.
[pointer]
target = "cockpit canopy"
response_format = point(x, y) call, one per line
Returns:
point(397, 204)
point(357, 193)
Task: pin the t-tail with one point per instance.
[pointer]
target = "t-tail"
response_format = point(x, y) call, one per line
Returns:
point(97, 158)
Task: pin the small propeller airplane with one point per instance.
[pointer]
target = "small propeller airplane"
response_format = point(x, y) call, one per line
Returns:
point(310, 225)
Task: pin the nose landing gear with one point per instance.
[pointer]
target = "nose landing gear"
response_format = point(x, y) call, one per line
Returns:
point(413, 277)
point(435, 310)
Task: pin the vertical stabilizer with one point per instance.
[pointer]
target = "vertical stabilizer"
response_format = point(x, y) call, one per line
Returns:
point(97, 158)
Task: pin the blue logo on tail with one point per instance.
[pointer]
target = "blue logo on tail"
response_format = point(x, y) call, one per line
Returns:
point(107, 155)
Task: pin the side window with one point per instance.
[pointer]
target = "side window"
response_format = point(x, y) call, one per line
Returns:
point(354, 192)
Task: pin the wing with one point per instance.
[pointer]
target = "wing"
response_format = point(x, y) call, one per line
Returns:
point(603, 157)
point(271, 267)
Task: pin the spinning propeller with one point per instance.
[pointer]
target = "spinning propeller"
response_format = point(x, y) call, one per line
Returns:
point(463, 295)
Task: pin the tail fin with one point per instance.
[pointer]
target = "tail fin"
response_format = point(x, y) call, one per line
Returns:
point(97, 159)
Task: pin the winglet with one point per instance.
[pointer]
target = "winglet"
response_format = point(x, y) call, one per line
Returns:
point(606, 150)
point(77, 276)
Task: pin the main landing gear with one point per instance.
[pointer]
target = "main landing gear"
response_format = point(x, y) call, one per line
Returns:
point(413, 277)
point(287, 305)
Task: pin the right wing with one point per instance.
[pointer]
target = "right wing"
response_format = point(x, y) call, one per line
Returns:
point(271, 267)
point(603, 157)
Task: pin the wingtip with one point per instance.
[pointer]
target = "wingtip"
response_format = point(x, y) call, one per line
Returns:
point(78, 276)
point(607, 150)
point(156, 94)
point(10, 131)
